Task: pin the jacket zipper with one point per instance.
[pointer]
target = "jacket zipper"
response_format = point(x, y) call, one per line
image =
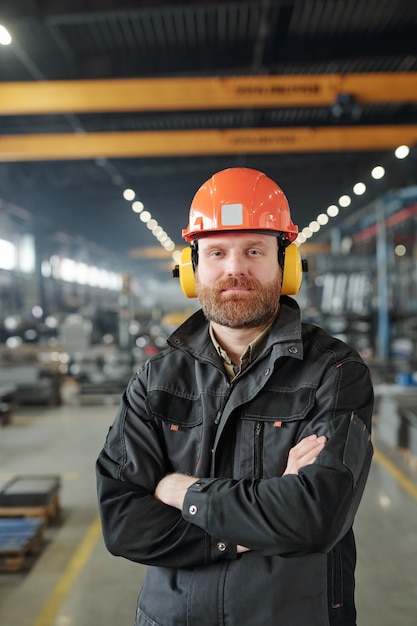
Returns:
point(220, 411)
point(258, 449)
point(337, 584)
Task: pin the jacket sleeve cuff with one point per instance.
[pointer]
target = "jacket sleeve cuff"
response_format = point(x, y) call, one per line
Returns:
point(195, 511)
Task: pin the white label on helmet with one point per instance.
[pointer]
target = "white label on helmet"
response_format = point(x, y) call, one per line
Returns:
point(232, 214)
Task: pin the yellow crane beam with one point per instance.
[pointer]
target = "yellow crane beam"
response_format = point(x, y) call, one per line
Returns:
point(173, 94)
point(202, 142)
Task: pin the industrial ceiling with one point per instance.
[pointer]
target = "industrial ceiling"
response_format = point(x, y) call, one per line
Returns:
point(155, 96)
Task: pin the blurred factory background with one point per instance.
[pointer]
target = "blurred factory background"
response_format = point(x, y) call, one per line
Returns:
point(113, 113)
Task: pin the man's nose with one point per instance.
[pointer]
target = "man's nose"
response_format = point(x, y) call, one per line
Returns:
point(235, 264)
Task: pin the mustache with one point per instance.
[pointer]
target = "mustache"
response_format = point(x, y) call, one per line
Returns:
point(230, 283)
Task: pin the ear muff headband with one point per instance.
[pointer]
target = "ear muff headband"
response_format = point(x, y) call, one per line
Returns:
point(291, 276)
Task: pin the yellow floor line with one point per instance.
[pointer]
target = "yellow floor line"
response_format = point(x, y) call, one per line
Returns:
point(396, 473)
point(69, 576)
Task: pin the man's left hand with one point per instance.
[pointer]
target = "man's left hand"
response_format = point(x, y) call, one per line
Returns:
point(172, 488)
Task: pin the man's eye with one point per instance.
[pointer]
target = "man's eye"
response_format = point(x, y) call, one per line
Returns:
point(216, 253)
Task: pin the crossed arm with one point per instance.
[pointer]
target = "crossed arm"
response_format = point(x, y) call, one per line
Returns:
point(172, 488)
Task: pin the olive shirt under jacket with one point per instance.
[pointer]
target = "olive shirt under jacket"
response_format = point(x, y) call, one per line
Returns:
point(180, 413)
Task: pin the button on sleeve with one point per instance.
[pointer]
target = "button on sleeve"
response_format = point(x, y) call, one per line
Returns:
point(196, 502)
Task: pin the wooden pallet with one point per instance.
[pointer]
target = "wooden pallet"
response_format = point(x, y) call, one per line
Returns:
point(19, 538)
point(31, 497)
point(47, 513)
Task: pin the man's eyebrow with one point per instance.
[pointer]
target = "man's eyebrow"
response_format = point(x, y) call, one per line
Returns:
point(256, 242)
point(214, 246)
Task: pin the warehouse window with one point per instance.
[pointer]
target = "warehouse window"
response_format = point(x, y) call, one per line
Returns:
point(7, 255)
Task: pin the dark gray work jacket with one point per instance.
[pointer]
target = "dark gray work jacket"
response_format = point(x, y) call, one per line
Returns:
point(180, 413)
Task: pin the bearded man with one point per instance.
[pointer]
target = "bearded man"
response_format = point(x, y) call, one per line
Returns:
point(238, 457)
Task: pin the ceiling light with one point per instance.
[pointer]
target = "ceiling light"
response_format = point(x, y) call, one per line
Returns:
point(307, 232)
point(129, 194)
point(151, 224)
point(344, 201)
point(322, 219)
point(145, 216)
point(400, 250)
point(402, 152)
point(314, 226)
point(332, 210)
point(169, 245)
point(378, 172)
point(300, 238)
point(359, 189)
point(137, 206)
point(5, 36)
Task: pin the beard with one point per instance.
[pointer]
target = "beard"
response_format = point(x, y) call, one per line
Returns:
point(240, 310)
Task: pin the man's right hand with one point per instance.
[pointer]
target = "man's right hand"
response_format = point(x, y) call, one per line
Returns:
point(304, 453)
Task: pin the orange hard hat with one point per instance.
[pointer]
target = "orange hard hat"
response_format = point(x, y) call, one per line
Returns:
point(239, 198)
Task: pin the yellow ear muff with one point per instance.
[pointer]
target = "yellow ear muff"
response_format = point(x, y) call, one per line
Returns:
point(186, 273)
point(293, 271)
point(291, 277)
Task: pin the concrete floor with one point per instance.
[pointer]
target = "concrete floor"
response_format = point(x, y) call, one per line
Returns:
point(73, 581)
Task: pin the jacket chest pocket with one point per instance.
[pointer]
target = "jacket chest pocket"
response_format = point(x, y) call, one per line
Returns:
point(268, 429)
point(180, 424)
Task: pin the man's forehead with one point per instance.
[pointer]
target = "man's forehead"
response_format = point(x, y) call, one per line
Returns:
point(227, 238)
